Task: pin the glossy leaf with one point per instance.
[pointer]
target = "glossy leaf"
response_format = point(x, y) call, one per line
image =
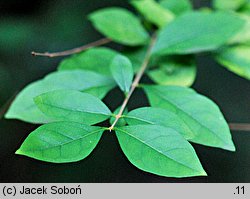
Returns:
point(177, 7)
point(180, 71)
point(228, 4)
point(75, 106)
point(96, 59)
point(122, 71)
point(24, 108)
point(158, 116)
point(119, 25)
point(153, 12)
point(236, 59)
point(202, 116)
point(61, 142)
point(196, 32)
point(159, 150)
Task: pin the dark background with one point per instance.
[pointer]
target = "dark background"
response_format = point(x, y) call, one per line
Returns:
point(57, 25)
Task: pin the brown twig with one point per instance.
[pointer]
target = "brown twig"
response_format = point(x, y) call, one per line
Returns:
point(135, 82)
point(74, 50)
point(239, 127)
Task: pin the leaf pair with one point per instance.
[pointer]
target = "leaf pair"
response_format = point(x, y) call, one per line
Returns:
point(24, 108)
point(71, 138)
point(154, 141)
point(152, 148)
point(190, 33)
point(81, 72)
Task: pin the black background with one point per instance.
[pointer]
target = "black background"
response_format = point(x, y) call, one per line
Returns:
point(58, 25)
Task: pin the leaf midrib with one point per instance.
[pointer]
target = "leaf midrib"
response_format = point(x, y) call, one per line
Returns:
point(160, 152)
point(75, 110)
point(139, 119)
point(177, 107)
point(66, 143)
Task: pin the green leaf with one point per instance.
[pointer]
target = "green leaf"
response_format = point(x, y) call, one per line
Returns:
point(159, 150)
point(236, 59)
point(71, 105)
point(196, 32)
point(153, 12)
point(24, 108)
point(158, 116)
point(96, 59)
point(179, 71)
point(201, 115)
point(61, 142)
point(122, 71)
point(137, 55)
point(121, 121)
point(228, 4)
point(120, 25)
point(177, 7)
point(243, 36)
point(99, 92)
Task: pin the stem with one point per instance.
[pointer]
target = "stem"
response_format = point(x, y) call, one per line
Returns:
point(74, 50)
point(239, 127)
point(135, 82)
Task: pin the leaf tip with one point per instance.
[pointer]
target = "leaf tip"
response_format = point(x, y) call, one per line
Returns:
point(19, 152)
point(90, 17)
point(230, 147)
point(11, 114)
point(203, 173)
point(7, 115)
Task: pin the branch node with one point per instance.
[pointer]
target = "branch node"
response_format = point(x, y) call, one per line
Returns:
point(118, 116)
point(135, 84)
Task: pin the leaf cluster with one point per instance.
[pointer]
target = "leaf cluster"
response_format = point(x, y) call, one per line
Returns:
point(68, 102)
